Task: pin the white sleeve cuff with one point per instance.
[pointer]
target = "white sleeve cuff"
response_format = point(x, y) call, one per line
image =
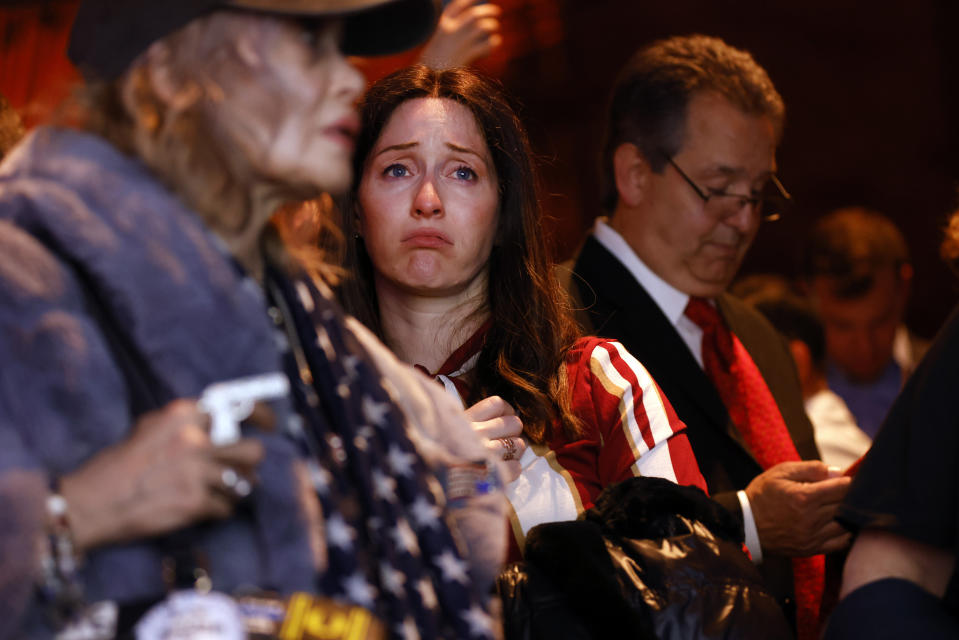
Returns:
point(749, 524)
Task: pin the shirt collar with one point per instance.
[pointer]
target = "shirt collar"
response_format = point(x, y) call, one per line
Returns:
point(670, 300)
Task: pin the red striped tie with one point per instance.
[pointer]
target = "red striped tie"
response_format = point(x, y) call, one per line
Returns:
point(753, 410)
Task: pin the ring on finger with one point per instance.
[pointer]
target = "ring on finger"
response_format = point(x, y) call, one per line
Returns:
point(511, 449)
point(235, 483)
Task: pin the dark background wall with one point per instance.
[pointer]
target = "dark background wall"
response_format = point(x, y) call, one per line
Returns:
point(871, 99)
point(871, 91)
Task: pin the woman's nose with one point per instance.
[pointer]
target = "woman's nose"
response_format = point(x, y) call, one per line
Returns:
point(427, 202)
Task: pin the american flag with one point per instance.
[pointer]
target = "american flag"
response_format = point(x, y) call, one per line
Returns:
point(389, 547)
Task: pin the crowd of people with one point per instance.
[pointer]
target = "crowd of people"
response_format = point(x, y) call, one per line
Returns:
point(278, 365)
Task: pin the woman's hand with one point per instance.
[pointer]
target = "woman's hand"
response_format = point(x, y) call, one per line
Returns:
point(467, 30)
point(164, 476)
point(494, 420)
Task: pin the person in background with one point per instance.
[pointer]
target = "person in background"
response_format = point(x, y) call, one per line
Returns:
point(856, 270)
point(451, 272)
point(839, 440)
point(689, 172)
point(899, 579)
point(468, 30)
point(139, 271)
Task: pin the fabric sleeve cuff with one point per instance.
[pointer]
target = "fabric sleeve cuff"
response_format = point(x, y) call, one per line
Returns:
point(749, 525)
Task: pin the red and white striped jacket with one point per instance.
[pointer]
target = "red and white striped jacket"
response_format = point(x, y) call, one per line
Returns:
point(629, 429)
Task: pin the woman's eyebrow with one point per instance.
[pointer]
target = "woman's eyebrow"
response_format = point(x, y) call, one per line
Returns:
point(456, 147)
point(397, 147)
point(409, 145)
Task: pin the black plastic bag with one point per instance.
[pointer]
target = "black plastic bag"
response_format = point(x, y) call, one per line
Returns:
point(652, 560)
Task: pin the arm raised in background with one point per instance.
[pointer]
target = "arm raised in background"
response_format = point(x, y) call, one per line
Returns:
point(467, 30)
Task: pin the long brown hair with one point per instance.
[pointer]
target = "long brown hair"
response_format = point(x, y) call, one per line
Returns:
point(532, 331)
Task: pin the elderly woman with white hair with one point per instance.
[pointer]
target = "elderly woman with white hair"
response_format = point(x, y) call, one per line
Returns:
point(138, 268)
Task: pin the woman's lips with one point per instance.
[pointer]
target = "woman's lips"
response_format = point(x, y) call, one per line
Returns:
point(427, 238)
point(344, 130)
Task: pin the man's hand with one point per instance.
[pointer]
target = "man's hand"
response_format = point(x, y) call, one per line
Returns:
point(164, 476)
point(794, 505)
point(497, 423)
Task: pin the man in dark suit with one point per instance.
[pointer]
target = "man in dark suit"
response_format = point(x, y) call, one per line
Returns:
point(689, 162)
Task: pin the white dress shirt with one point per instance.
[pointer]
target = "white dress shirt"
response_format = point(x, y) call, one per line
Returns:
point(672, 302)
point(840, 440)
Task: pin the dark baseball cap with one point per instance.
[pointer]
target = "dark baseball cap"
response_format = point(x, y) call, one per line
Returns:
point(109, 34)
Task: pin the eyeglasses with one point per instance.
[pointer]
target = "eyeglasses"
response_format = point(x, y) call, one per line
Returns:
point(771, 203)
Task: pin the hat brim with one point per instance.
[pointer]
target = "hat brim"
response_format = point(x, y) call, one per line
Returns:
point(372, 27)
point(108, 35)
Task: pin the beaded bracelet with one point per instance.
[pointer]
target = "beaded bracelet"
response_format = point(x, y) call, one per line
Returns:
point(60, 588)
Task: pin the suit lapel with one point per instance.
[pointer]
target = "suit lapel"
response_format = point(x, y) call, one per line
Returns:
point(622, 309)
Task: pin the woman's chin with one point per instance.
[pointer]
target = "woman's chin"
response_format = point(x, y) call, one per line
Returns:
point(331, 182)
point(429, 276)
point(425, 268)
point(434, 287)
point(313, 177)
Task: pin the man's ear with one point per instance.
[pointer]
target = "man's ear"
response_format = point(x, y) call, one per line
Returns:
point(632, 173)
